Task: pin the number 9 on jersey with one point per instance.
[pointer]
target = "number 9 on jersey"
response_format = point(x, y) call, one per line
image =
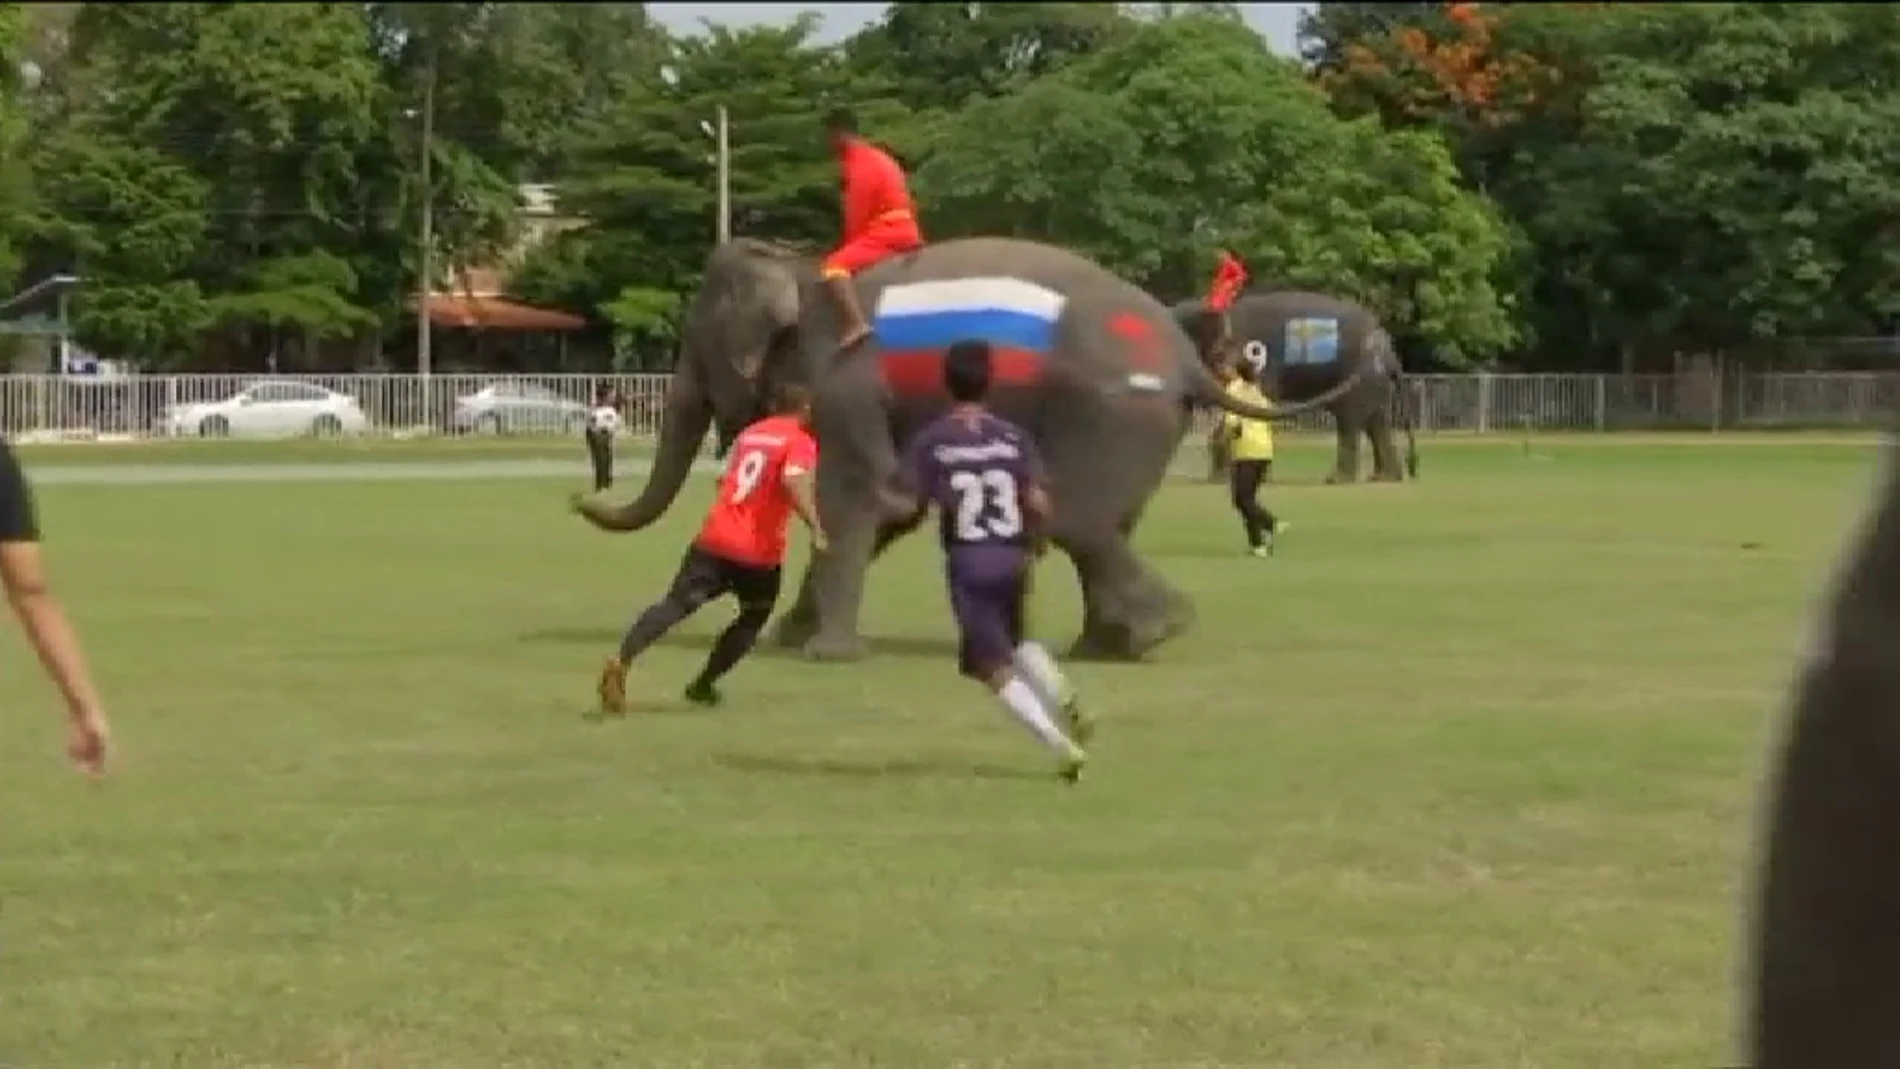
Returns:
point(746, 469)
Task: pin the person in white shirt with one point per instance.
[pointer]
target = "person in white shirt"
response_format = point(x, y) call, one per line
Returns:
point(603, 422)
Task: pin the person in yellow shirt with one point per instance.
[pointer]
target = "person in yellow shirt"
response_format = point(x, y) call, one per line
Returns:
point(1250, 444)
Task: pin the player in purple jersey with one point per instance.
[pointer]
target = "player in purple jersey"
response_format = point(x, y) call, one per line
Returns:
point(985, 477)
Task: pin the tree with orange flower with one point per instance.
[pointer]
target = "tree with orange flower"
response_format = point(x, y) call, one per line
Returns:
point(1438, 64)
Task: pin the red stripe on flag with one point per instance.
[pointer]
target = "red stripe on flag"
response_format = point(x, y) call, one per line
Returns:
point(921, 372)
point(1144, 348)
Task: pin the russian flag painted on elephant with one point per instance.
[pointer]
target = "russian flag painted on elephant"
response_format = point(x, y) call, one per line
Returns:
point(914, 323)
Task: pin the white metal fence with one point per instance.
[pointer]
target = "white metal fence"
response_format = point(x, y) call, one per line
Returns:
point(217, 405)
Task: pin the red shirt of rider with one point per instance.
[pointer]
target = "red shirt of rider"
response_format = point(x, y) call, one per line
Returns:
point(1229, 277)
point(880, 219)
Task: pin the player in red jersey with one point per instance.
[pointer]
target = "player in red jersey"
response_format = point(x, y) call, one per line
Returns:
point(740, 549)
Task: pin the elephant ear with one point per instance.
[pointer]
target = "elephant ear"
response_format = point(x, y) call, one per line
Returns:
point(778, 288)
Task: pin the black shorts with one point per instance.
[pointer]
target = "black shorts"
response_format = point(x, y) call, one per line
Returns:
point(1245, 476)
point(705, 577)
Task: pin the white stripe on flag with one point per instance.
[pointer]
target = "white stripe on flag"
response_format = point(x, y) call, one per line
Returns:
point(972, 295)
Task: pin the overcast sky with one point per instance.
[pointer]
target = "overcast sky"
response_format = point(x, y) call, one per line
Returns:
point(1276, 22)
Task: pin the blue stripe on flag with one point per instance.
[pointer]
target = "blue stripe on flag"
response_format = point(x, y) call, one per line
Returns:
point(940, 330)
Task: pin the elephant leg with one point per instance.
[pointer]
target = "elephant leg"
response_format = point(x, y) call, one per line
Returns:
point(1127, 608)
point(799, 624)
point(1346, 453)
point(1386, 466)
point(857, 458)
point(892, 530)
point(1102, 475)
point(834, 581)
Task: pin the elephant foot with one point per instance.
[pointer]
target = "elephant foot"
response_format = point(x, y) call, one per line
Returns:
point(1134, 639)
point(1341, 478)
point(1387, 477)
point(833, 648)
point(1179, 618)
point(794, 630)
point(1102, 642)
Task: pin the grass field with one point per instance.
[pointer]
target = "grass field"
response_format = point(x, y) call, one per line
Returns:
point(1462, 778)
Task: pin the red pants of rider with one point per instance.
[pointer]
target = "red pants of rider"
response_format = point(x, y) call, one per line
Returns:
point(879, 242)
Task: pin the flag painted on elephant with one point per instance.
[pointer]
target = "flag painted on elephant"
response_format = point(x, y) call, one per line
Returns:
point(1145, 353)
point(1312, 341)
point(915, 323)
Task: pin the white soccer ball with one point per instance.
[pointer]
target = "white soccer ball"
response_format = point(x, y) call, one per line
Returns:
point(604, 419)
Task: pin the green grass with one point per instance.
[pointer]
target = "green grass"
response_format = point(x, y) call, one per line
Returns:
point(1462, 778)
point(302, 451)
point(477, 447)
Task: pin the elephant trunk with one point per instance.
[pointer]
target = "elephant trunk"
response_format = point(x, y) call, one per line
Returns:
point(682, 429)
point(1201, 385)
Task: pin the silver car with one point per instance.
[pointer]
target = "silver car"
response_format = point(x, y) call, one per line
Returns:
point(269, 410)
point(517, 408)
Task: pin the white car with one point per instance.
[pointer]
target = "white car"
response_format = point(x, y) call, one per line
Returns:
point(510, 407)
point(269, 410)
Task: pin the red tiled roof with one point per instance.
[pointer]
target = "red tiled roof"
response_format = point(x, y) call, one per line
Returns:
point(496, 313)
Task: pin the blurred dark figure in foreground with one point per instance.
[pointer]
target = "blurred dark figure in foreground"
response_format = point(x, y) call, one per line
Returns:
point(1824, 983)
point(44, 620)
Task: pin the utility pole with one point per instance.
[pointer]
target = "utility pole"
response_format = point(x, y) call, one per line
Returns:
point(724, 150)
point(425, 254)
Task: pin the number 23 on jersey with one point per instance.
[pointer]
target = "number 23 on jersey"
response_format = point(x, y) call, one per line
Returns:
point(989, 505)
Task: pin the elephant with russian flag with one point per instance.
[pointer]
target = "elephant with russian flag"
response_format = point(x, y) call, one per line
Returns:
point(1095, 368)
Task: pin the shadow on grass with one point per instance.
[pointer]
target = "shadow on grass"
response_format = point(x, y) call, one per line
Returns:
point(645, 707)
point(1302, 481)
point(609, 637)
point(893, 768)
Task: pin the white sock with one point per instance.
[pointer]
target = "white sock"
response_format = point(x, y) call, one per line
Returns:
point(1034, 664)
point(1025, 705)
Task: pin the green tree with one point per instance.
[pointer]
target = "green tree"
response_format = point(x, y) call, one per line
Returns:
point(645, 175)
point(512, 81)
point(941, 56)
point(15, 176)
point(1188, 135)
point(1328, 31)
point(1749, 174)
point(220, 167)
point(436, 62)
point(591, 58)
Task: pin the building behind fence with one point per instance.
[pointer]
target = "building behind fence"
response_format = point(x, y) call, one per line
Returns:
point(147, 405)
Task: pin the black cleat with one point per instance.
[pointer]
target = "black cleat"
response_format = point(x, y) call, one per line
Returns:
point(703, 694)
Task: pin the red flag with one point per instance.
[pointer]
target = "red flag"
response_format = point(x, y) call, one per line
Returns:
point(1229, 277)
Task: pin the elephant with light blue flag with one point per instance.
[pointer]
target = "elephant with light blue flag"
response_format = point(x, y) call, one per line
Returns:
point(1309, 345)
